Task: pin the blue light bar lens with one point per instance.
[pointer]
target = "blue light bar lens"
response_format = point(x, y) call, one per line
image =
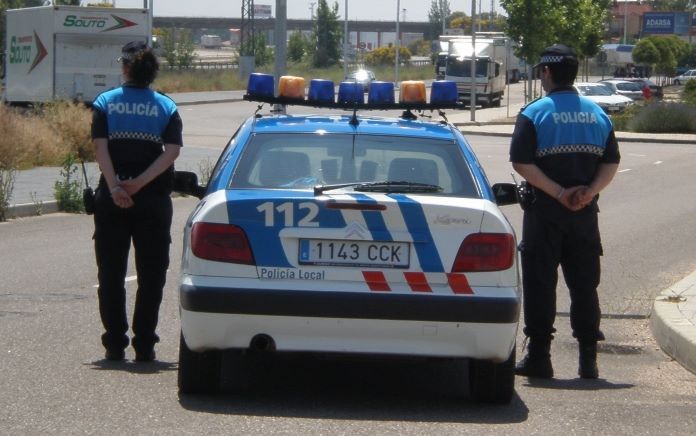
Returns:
point(381, 92)
point(443, 91)
point(350, 92)
point(321, 90)
point(260, 85)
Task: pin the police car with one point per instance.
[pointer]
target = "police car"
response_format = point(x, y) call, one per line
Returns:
point(348, 233)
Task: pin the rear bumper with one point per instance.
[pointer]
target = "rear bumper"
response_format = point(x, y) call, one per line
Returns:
point(350, 322)
point(359, 305)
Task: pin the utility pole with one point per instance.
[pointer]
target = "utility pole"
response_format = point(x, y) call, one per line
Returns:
point(311, 8)
point(346, 41)
point(625, 21)
point(281, 43)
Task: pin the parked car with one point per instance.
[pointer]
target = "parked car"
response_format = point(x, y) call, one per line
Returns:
point(364, 77)
point(603, 96)
point(348, 233)
point(631, 90)
point(683, 78)
point(655, 89)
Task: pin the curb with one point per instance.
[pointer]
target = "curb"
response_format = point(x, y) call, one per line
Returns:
point(31, 209)
point(674, 332)
point(621, 138)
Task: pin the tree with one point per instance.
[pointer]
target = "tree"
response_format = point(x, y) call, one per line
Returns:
point(327, 35)
point(185, 51)
point(645, 53)
point(387, 55)
point(673, 5)
point(437, 16)
point(536, 24)
point(297, 45)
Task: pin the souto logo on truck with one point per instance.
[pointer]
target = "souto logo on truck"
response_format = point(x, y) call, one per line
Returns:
point(22, 47)
point(95, 22)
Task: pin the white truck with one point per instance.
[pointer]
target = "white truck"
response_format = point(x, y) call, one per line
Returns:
point(491, 55)
point(211, 41)
point(68, 52)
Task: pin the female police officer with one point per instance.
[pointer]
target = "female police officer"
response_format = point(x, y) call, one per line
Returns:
point(137, 135)
point(564, 146)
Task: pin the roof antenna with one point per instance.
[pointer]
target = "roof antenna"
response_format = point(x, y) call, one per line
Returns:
point(408, 115)
point(354, 119)
point(258, 109)
point(443, 115)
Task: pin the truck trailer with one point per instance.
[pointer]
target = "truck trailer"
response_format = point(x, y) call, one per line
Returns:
point(67, 52)
point(491, 55)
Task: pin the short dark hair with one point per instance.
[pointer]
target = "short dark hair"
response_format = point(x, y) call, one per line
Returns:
point(564, 73)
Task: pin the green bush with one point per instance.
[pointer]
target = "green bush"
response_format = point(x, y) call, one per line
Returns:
point(662, 117)
point(68, 192)
point(689, 94)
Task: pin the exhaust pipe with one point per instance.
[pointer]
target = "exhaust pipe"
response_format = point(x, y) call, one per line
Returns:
point(262, 342)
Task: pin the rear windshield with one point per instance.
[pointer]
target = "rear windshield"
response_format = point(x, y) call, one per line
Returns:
point(301, 161)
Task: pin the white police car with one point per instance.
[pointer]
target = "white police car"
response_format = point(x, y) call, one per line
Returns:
point(349, 233)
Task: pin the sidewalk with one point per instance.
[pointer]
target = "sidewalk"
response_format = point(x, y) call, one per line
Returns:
point(673, 319)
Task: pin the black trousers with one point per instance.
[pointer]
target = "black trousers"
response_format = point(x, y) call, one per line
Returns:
point(571, 240)
point(147, 224)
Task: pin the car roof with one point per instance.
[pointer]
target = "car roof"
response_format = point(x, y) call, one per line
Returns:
point(339, 123)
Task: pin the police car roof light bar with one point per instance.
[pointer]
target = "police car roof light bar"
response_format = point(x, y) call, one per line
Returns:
point(351, 94)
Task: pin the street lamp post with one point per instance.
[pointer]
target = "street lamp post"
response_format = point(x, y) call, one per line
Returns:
point(397, 45)
point(346, 41)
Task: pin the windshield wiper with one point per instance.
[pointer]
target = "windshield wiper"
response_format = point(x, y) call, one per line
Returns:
point(383, 186)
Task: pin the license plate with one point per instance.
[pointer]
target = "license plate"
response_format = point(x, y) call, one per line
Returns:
point(354, 253)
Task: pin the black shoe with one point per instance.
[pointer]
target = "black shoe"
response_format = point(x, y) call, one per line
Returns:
point(115, 354)
point(533, 366)
point(145, 356)
point(588, 361)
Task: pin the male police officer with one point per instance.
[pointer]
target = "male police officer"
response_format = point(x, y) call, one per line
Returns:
point(564, 146)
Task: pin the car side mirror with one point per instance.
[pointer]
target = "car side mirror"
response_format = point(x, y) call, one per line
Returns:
point(186, 182)
point(505, 193)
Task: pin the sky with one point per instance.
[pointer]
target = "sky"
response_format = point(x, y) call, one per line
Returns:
point(414, 10)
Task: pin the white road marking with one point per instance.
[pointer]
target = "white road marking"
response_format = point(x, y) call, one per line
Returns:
point(625, 171)
point(657, 162)
point(636, 154)
point(128, 279)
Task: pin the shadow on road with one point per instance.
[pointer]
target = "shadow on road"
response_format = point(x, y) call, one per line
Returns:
point(392, 390)
point(576, 384)
point(154, 367)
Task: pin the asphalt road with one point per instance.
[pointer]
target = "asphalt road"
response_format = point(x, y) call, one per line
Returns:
point(55, 381)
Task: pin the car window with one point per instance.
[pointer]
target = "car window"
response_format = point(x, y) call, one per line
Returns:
point(628, 86)
point(594, 90)
point(303, 160)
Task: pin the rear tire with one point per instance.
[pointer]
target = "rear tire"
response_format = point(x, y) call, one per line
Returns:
point(199, 373)
point(491, 382)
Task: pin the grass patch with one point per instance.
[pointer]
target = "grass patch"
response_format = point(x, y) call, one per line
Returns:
point(170, 81)
point(43, 136)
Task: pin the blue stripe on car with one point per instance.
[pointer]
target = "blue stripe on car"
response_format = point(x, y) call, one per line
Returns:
point(417, 224)
point(374, 220)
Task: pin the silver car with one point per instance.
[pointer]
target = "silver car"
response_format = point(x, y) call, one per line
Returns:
point(631, 90)
point(683, 78)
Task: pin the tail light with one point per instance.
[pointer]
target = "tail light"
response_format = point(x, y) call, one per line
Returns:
point(485, 252)
point(221, 243)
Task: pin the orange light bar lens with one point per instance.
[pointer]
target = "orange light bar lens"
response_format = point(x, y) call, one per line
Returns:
point(412, 91)
point(291, 87)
